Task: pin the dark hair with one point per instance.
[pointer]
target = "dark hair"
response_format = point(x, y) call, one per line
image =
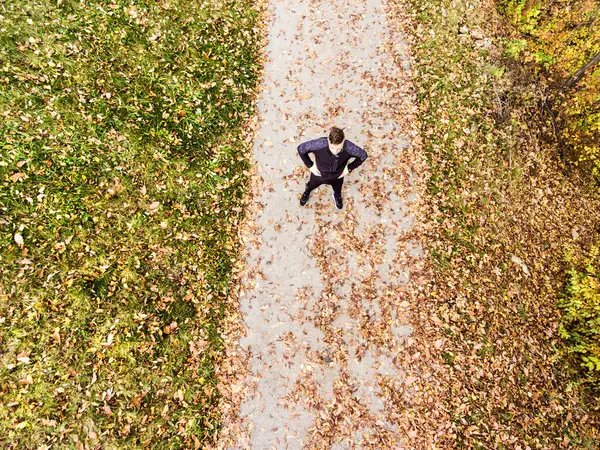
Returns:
point(336, 135)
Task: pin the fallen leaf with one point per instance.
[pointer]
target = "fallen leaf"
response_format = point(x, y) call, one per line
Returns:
point(17, 176)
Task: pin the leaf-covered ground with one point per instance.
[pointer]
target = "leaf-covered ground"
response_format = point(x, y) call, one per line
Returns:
point(501, 215)
point(122, 164)
point(123, 161)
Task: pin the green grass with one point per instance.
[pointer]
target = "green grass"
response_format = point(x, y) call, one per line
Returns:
point(122, 168)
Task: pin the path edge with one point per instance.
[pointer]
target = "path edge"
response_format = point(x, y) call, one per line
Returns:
point(234, 367)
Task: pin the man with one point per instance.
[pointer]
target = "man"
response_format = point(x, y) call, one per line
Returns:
point(332, 155)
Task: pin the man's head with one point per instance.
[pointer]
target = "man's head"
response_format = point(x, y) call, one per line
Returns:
point(336, 140)
point(336, 135)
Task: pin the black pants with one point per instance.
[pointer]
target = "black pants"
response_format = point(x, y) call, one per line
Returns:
point(314, 182)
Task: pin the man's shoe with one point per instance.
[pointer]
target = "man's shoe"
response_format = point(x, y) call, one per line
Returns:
point(339, 204)
point(304, 199)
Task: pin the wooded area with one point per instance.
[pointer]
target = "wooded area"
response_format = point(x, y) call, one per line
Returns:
point(560, 40)
point(560, 43)
point(514, 220)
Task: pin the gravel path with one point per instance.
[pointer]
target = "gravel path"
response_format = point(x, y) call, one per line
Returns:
point(325, 290)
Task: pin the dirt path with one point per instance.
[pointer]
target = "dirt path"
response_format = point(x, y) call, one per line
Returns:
point(325, 290)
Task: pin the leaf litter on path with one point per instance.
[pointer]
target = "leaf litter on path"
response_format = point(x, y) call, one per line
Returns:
point(325, 356)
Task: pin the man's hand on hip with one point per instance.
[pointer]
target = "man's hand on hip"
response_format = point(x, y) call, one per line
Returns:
point(344, 173)
point(314, 170)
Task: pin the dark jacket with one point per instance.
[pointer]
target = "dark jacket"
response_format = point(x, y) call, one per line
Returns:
point(331, 166)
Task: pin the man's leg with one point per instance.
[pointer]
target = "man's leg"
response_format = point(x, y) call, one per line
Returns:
point(313, 182)
point(337, 186)
point(337, 192)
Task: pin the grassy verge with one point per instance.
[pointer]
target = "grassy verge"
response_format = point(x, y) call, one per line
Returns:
point(122, 168)
point(503, 215)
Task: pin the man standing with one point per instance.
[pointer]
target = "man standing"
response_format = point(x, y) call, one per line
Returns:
point(332, 155)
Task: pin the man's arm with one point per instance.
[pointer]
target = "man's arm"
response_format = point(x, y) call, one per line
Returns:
point(358, 153)
point(305, 148)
